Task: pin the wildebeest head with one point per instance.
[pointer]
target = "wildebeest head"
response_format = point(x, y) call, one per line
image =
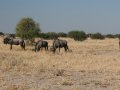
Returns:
point(36, 46)
point(41, 44)
point(6, 40)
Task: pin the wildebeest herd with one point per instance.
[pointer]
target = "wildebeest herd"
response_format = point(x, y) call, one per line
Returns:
point(58, 43)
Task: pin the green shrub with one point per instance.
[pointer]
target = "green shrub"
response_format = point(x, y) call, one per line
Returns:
point(61, 34)
point(52, 35)
point(43, 35)
point(1, 33)
point(77, 35)
point(97, 36)
point(110, 36)
point(117, 36)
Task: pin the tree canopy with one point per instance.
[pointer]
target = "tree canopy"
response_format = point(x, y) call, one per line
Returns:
point(27, 28)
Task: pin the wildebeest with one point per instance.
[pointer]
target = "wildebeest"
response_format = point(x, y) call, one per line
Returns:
point(40, 44)
point(11, 41)
point(60, 44)
point(119, 43)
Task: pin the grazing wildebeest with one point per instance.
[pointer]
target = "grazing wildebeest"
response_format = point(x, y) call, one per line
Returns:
point(119, 43)
point(11, 41)
point(40, 44)
point(60, 44)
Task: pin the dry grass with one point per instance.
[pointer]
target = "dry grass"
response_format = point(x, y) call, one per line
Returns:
point(92, 65)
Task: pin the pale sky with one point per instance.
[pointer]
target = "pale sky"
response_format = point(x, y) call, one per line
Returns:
point(63, 15)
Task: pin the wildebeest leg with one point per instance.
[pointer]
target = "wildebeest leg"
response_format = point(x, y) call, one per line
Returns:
point(59, 49)
point(10, 46)
point(65, 49)
point(24, 45)
point(47, 48)
point(21, 46)
point(40, 49)
point(119, 44)
point(54, 50)
point(36, 49)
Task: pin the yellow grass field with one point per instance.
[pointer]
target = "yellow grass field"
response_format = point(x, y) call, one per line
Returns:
point(92, 65)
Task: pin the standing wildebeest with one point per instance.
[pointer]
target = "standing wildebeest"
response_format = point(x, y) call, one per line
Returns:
point(119, 43)
point(40, 44)
point(60, 44)
point(11, 41)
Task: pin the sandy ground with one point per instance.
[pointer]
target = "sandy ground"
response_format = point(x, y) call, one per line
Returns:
point(92, 65)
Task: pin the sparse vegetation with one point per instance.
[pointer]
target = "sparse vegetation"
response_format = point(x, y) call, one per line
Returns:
point(92, 64)
point(67, 83)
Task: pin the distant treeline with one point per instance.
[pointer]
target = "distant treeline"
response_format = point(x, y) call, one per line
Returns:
point(75, 34)
point(28, 29)
point(10, 34)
